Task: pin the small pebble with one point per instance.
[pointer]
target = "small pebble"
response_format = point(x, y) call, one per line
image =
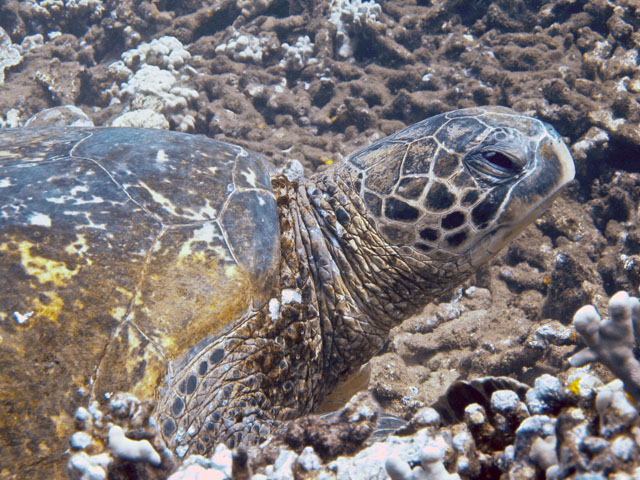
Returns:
point(623, 447)
point(309, 460)
point(133, 450)
point(547, 394)
point(504, 401)
point(82, 414)
point(426, 417)
point(80, 440)
point(397, 469)
point(87, 467)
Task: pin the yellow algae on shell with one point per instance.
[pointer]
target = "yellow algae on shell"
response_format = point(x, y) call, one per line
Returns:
point(51, 309)
point(49, 274)
point(199, 293)
point(46, 270)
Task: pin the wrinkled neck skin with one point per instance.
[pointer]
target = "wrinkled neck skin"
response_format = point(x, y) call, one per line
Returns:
point(341, 289)
point(364, 286)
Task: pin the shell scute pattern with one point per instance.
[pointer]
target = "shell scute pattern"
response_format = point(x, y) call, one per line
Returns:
point(147, 182)
point(410, 188)
point(445, 164)
point(33, 146)
point(418, 131)
point(114, 243)
point(380, 178)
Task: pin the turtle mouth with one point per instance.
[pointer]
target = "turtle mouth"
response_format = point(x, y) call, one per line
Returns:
point(503, 234)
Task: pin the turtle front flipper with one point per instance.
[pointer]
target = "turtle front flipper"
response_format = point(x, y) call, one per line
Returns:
point(264, 368)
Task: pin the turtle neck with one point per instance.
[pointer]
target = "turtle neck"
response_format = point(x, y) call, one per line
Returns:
point(362, 286)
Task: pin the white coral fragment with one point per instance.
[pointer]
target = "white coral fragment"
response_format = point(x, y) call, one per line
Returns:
point(9, 54)
point(251, 8)
point(244, 47)
point(349, 16)
point(297, 56)
point(84, 467)
point(132, 450)
point(93, 9)
point(432, 464)
point(11, 119)
point(164, 52)
point(150, 79)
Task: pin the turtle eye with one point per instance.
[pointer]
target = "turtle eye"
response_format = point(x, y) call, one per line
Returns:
point(500, 160)
point(493, 166)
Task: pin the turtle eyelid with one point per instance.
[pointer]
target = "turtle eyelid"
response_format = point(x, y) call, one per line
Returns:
point(501, 160)
point(493, 165)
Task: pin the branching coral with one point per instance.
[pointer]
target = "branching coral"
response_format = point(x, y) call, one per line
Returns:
point(611, 341)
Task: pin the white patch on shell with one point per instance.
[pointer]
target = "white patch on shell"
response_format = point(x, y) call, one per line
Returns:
point(274, 308)
point(41, 219)
point(162, 156)
point(159, 199)
point(89, 222)
point(21, 318)
point(93, 199)
point(80, 188)
point(206, 213)
point(5, 182)
point(206, 233)
point(250, 176)
point(290, 296)
point(76, 201)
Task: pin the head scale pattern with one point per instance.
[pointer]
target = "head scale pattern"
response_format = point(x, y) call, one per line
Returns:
point(443, 186)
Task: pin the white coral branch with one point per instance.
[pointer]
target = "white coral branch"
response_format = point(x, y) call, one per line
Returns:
point(611, 341)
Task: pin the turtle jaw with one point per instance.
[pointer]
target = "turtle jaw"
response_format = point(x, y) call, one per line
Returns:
point(519, 211)
point(489, 245)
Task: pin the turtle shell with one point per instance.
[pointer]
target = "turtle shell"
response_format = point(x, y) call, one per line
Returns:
point(119, 250)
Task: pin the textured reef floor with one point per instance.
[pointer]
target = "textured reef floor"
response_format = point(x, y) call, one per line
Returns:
point(314, 81)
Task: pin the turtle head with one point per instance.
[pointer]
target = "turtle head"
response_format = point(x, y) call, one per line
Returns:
point(458, 186)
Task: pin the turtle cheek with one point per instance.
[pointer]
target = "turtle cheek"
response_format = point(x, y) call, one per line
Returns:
point(529, 194)
point(553, 168)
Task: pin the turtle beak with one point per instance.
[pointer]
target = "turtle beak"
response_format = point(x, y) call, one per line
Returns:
point(563, 156)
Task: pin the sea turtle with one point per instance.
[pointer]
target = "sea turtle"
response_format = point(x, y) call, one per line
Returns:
point(179, 269)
